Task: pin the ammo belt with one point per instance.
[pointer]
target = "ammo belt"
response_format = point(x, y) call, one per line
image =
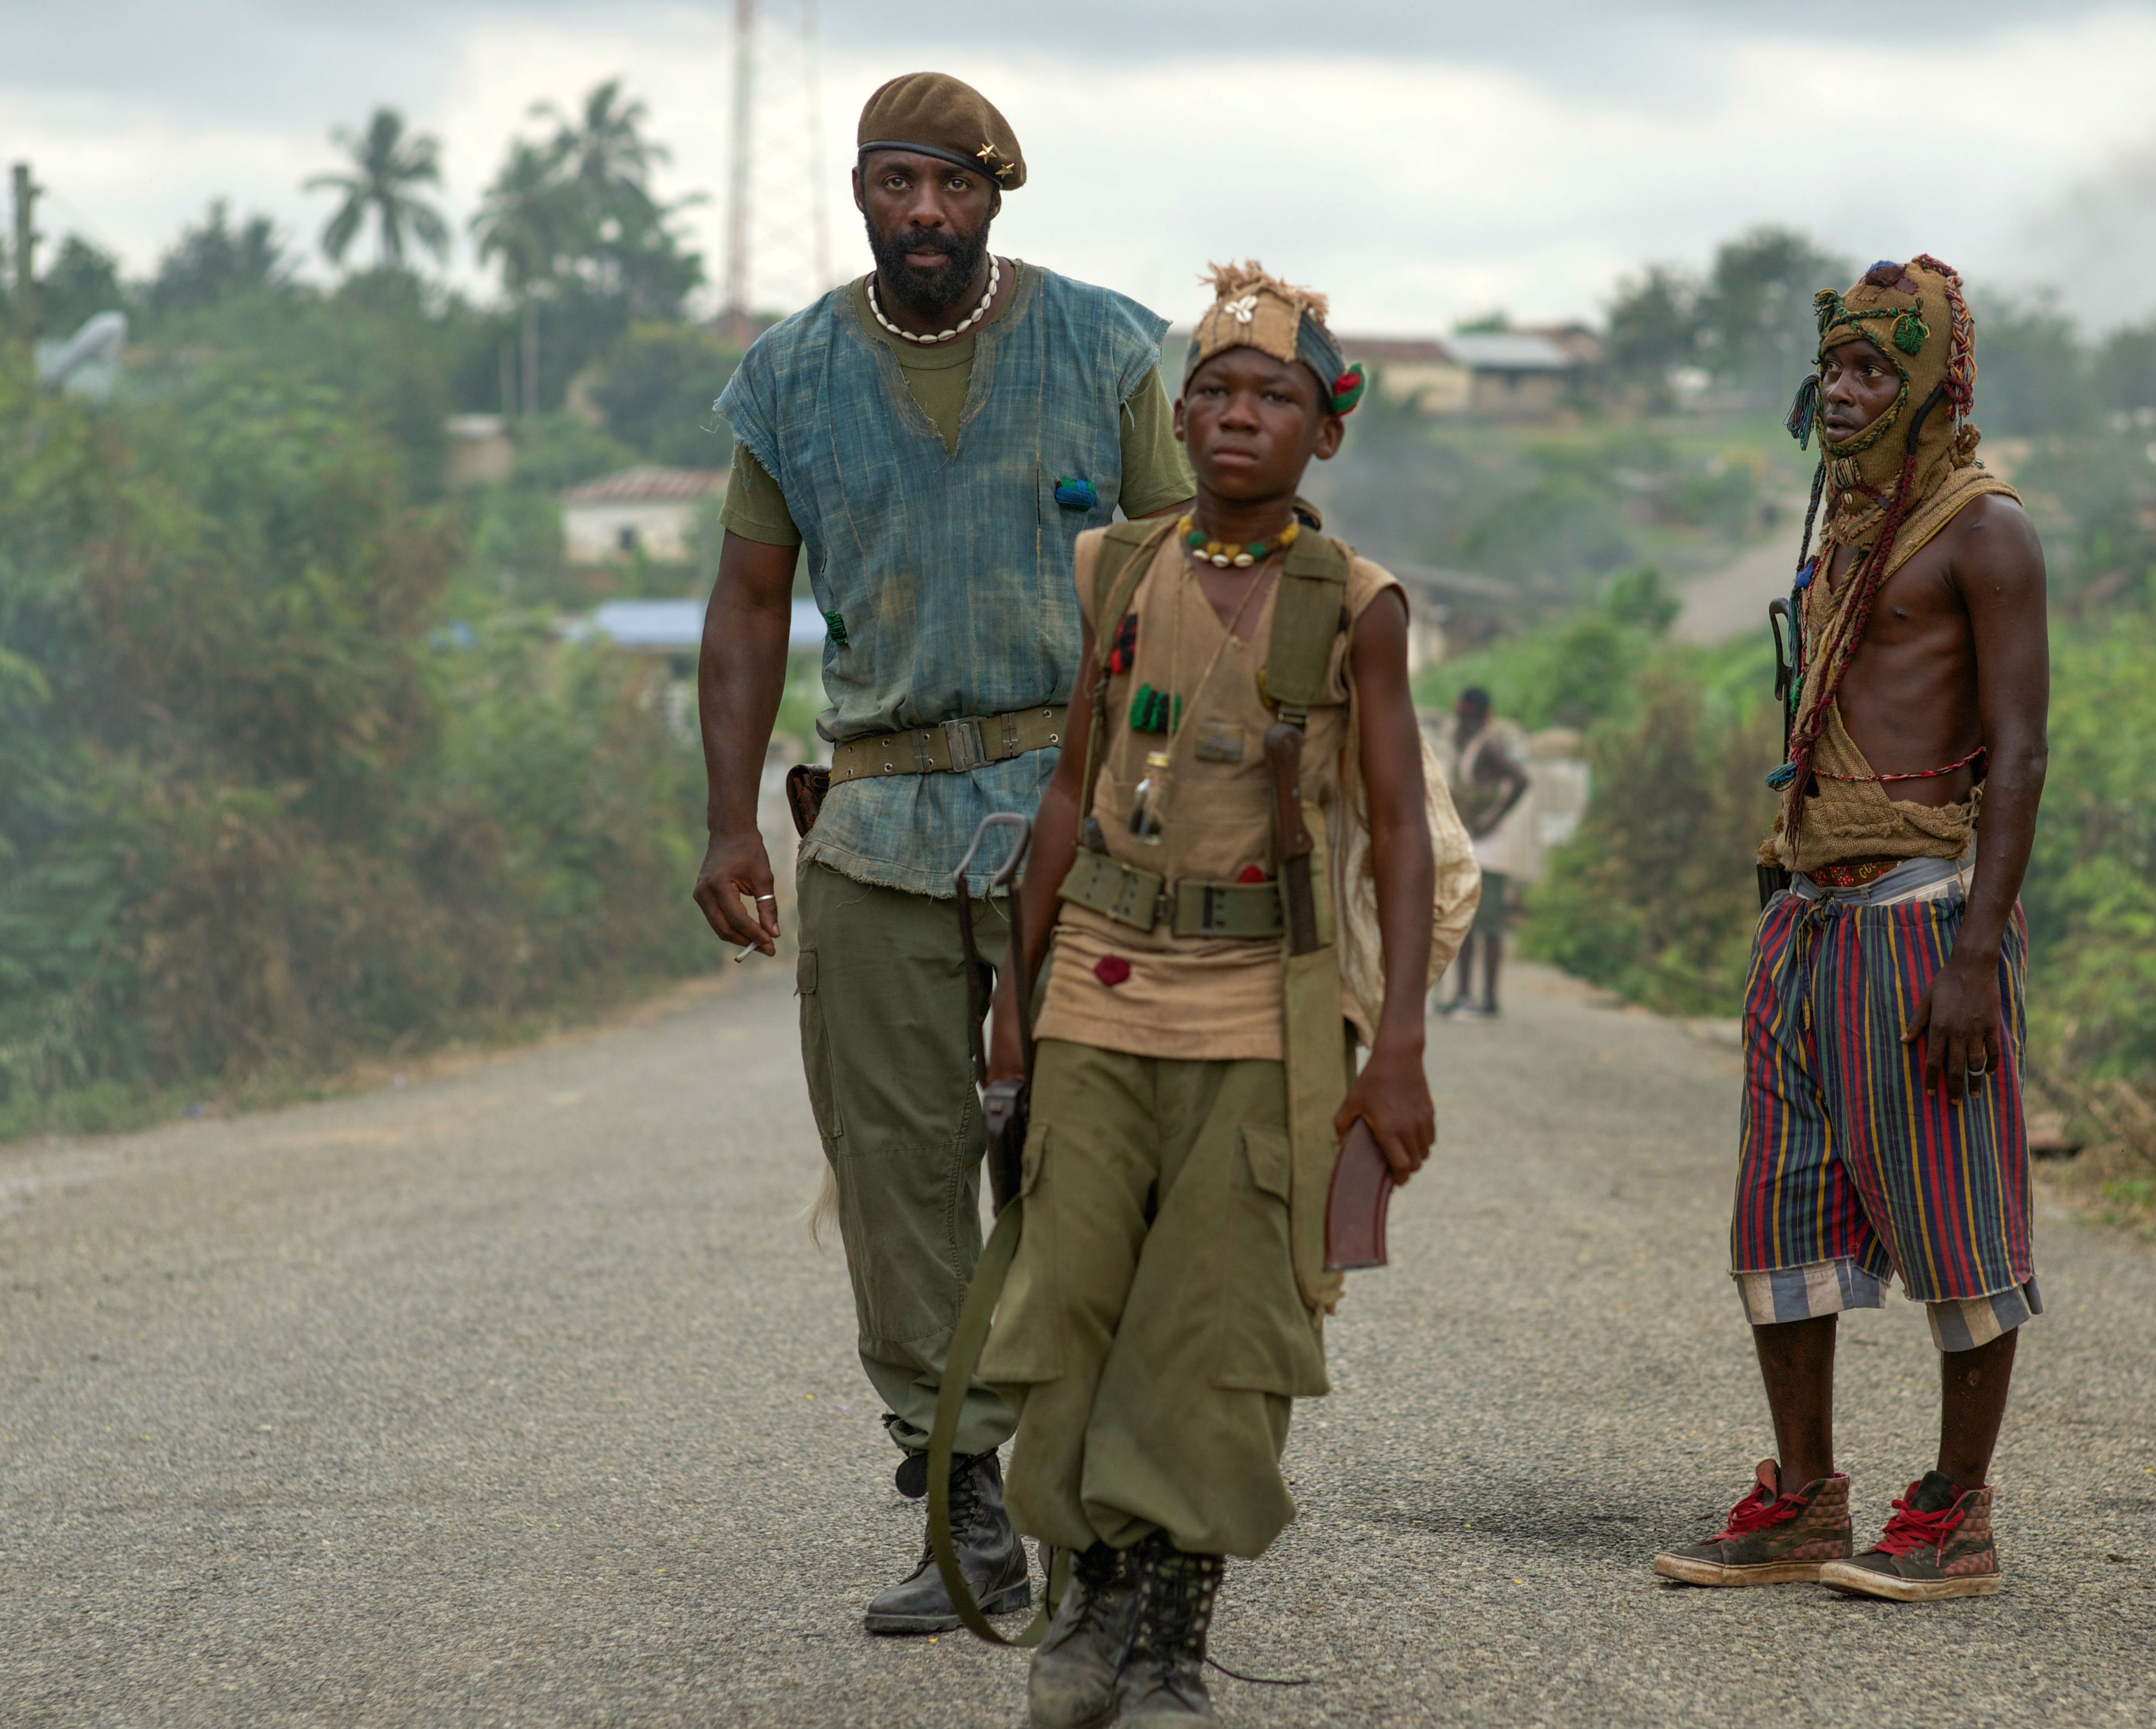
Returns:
point(1143, 898)
point(951, 746)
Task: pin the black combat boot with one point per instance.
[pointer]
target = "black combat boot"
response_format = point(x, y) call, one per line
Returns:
point(989, 1553)
point(1164, 1678)
point(1072, 1685)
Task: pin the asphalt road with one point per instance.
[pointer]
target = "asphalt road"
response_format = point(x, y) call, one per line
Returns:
point(521, 1397)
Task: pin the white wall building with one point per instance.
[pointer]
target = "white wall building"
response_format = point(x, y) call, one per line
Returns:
point(651, 511)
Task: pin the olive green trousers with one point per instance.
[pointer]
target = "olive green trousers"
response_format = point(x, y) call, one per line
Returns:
point(884, 1012)
point(1150, 1333)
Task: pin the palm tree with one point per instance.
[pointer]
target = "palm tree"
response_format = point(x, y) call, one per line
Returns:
point(607, 154)
point(524, 221)
point(386, 166)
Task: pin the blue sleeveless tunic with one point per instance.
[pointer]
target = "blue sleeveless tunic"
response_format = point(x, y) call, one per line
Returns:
point(951, 570)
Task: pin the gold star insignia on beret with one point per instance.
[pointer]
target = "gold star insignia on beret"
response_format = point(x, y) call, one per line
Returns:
point(987, 152)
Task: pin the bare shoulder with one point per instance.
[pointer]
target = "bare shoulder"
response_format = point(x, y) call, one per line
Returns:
point(1992, 540)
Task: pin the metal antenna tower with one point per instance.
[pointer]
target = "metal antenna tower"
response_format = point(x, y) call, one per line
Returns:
point(779, 238)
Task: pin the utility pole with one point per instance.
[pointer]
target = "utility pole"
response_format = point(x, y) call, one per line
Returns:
point(26, 250)
point(819, 211)
point(779, 244)
point(736, 314)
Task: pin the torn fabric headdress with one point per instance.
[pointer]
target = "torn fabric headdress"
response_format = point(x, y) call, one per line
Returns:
point(1253, 310)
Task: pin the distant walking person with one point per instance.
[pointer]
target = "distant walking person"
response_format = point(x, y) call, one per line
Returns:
point(937, 433)
point(1883, 1131)
point(1487, 784)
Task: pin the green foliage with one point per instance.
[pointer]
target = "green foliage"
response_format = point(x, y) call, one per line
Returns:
point(251, 822)
point(1756, 333)
point(1654, 897)
point(1643, 600)
point(1653, 331)
point(2090, 893)
point(216, 262)
point(2093, 498)
point(1748, 323)
point(2126, 370)
point(2032, 374)
point(81, 282)
point(659, 393)
point(1573, 671)
point(387, 168)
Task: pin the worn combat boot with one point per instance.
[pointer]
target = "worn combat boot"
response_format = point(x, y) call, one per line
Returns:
point(989, 1553)
point(1072, 1683)
point(1164, 1678)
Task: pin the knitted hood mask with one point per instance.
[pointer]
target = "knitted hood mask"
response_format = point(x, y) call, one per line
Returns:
point(1911, 467)
point(1914, 316)
point(1253, 310)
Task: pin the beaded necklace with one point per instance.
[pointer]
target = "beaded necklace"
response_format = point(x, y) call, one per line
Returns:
point(965, 324)
point(1225, 553)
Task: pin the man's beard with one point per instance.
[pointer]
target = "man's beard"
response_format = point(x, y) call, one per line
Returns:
point(928, 292)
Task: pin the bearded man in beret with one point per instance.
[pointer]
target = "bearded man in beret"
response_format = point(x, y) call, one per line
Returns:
point(935, 436)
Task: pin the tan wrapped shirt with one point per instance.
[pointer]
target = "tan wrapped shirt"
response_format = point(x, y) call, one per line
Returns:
point(1197, 997)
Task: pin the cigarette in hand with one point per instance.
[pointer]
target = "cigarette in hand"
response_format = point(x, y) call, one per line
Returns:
point(749, 948)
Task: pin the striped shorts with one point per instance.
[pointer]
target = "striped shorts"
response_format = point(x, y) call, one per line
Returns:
point(1850, 1172)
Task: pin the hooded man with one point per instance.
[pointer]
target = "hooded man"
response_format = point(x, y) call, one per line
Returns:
point(935, 435)
point(1882, 1124)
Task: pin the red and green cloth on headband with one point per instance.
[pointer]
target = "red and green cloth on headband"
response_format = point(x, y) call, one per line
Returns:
point(1253, 309)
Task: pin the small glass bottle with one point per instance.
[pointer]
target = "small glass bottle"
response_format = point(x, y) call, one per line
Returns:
point(1145, 801)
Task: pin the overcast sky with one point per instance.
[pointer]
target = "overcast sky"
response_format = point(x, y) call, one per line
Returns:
point(1420, 160)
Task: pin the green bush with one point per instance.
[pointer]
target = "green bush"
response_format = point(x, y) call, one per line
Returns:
point(250, 820)
point(1656, 896)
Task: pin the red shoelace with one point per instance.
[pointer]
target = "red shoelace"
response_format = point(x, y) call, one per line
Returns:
point(1910, 1529)
point(1755, 1512)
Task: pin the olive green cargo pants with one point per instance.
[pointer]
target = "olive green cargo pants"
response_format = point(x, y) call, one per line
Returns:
point(1151, 1333)
point(883, 1037)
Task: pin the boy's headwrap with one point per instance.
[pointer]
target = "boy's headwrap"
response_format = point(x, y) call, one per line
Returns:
point(1890, 487)
point(1253, 310)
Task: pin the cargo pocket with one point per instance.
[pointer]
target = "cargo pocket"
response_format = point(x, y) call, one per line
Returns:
point(1270, 1341)
point(1026, 1344)
point(816, 1052)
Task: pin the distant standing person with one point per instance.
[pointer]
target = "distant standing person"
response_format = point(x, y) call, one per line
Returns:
point(1883, 1130)
point(937, 434)
point(1487, 784)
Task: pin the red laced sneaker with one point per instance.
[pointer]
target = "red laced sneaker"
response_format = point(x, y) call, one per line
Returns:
point(1770, 1538)
point(1937, 1544)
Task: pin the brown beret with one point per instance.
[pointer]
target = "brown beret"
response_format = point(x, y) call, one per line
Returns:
point(937, 115)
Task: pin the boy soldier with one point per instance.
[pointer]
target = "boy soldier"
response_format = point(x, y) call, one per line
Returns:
point(1883, 1130)
point(1167, 1301)
point(935, 434)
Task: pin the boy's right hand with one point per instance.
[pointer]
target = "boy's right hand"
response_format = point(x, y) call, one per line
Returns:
point(1392, 1095)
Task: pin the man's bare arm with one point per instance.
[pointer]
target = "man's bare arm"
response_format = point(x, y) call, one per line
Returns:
point(1392, 1094)
point(1998, 569)
point(741, 674)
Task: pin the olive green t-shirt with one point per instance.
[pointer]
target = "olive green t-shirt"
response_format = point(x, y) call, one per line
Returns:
point(1155, 473)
